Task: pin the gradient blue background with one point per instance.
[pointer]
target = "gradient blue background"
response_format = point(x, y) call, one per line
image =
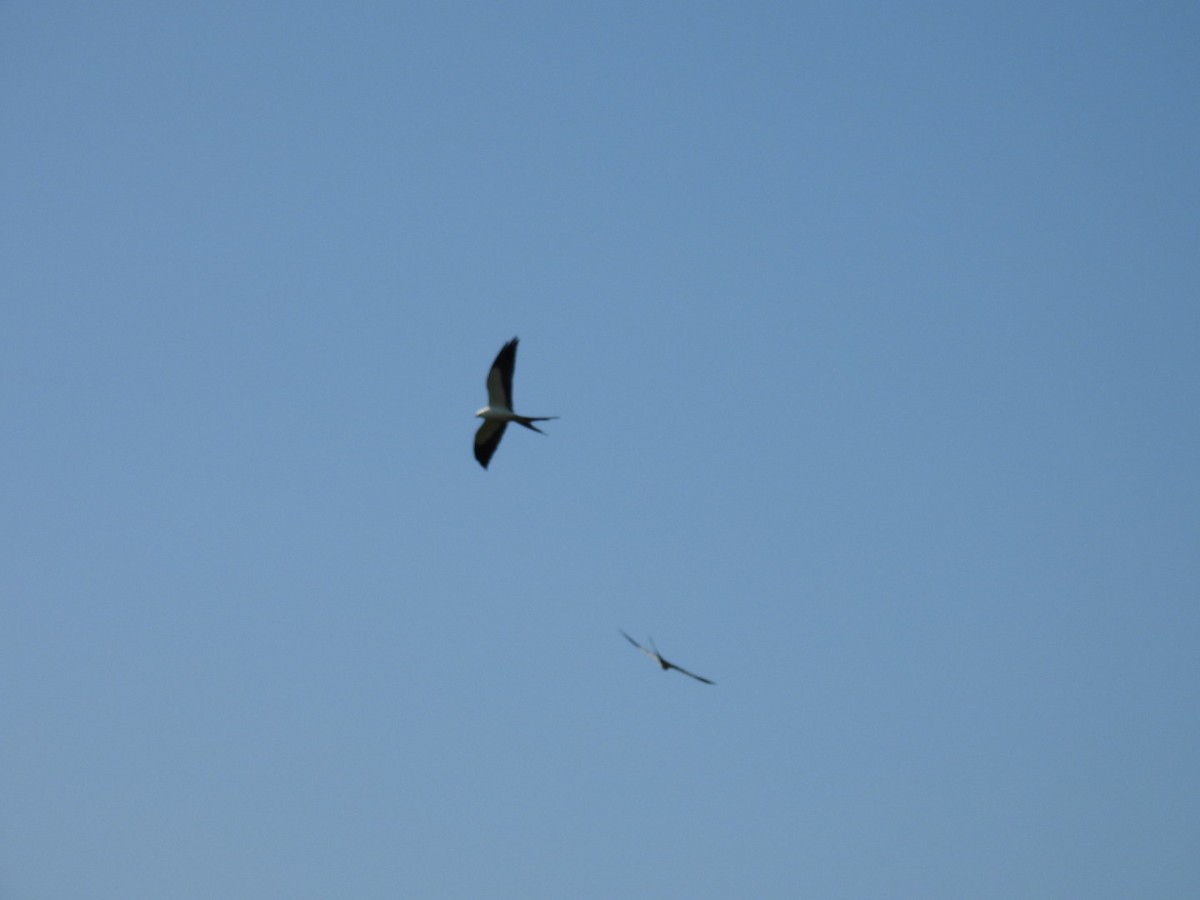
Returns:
point(875, 333)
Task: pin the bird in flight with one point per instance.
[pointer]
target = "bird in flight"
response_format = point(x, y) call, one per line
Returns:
point(657, 657)
point(499, 412)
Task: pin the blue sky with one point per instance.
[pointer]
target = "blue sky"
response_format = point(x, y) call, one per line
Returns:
point(873, 332)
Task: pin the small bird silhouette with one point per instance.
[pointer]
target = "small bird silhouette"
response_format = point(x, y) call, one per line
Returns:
point(657, 657)
point(499, 412)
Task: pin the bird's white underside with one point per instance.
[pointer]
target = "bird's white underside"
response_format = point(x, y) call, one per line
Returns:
point(496, 414)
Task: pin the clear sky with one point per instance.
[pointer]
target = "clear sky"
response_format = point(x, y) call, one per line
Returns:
point(874, 330)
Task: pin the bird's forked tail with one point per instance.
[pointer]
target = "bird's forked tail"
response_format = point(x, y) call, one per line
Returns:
point(528, 421)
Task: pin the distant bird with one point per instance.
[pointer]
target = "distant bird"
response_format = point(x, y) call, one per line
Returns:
point(657, 657)
point(499, 412)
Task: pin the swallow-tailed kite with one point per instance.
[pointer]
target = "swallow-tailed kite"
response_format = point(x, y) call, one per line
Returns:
point(657, 657)
point(499, 412)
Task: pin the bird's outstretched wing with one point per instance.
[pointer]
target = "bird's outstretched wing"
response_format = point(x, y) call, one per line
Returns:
point(500, 376)
point(671, 665)
point(649, 653)
point(487, 439)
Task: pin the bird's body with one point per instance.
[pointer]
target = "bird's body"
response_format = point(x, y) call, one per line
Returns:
point(499, 412)
point(662, 663)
